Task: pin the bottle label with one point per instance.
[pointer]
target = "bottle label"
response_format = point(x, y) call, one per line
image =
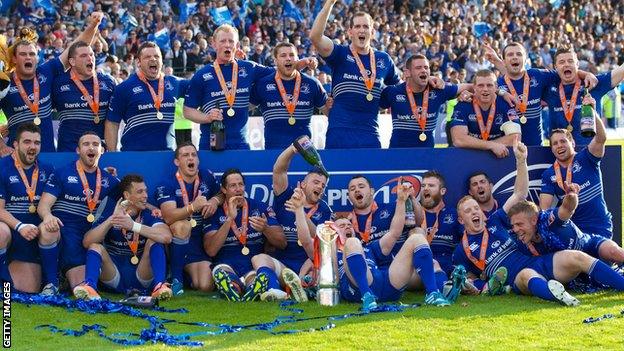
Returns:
point(587, 123)
point(213, 139)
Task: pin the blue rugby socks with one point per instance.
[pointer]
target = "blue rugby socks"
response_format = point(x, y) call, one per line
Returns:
point(441, 278)
point(273, 280)
point(605, 275)
point(92, 268)
point(49, 263)
point(423, 263)
point(179, 248)
point(157, 261)
point(359, 269)
point(539, 287)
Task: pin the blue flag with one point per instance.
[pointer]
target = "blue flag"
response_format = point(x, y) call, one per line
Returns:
point(129, 21)
point(291, 10)
point(47, 6)
point(479, 29)
point(555, 3)
point(161, 38)
point(187, 10)
point(5, 6)
point(221, 15)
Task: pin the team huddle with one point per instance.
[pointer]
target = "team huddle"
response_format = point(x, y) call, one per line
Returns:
point(79, 224)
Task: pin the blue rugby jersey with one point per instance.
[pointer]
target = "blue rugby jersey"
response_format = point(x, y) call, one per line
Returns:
point(351, 110)
point(286, 219)
point(405, 127)
point(464, 115)
point(557, 115)
point(71, 205)
point(76, 117)
point(591, 215)
point(132, 103)
point(205, 93)
point(17, 112)
point(278, 133)
point(13, 191)
point(449, 231)
point(230, 252)
point(539, 81)
point(501, 250)
point(169, 190)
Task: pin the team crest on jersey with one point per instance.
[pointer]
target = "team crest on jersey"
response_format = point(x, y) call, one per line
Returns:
point(432, 95)
point(72, 180)
point(492, 229)
point(384, 214)
point(207, 76)
point(168, 86)
point(448, 219)
point(13, 179)
point(42, 79)
point(401, 98)
point(533, 83)
point(316, 216)
point(64, 88)
point(381, 64)
point(242, 72)
point(255, 213)
point(105, 87)
point(105, 182)
point(271, 87)
point(499, 120)
point(42, 176)
point(495, 244)
point(137, 90)
point(305, 88)
point(576, 167)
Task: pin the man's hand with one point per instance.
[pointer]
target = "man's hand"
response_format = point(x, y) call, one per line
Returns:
point(199, 203)
point(111, 170)
point(95, 19)
point(214, 114)
point(499, 150)
point(233, 204)
point(5, 150)
point(210, 208)
point(520, 150)
point(258, 223)
point(572, 188)
point(4, 130)
point(490, 54)
point(404, 190)
point(52, 223)
point(589, 100)
point(465, 96)
point(436, 82)
point(296, 201)
point(121, 220)
point(29, 231)
point(510, 99)
point(307, 62)
point(590, 81)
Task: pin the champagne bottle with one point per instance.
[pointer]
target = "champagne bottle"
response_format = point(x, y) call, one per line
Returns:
point(304, 146)
point(588, 120)
point(140, 301)
point(217, 134)
point(410, 215)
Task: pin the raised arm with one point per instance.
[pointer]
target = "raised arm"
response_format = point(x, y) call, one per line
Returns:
point(404, 191)
point(596, 146)
point(569, 203)
point(521, 186)
point(324, 45)
point(280, 169)
point(304, 233)
point(87, 35)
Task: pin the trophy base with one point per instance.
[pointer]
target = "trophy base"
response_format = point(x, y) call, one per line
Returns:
point(327, 297)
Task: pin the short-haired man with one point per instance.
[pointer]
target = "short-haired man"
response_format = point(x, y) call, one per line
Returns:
point(125, 247)
point(22, 179)
point(480, 188)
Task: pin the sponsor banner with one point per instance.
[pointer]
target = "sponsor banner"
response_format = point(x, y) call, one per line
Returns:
point(382, 167)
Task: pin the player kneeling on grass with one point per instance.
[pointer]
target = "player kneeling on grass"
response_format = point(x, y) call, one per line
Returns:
point(126, 247)
point(236, 233)
point(361, 279)
point(541, 232)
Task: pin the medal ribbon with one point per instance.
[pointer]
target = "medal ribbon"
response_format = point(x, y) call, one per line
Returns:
point(158, 99)
point(91, 200)
point(480, 263)
point(34, 105)
point(368, 81)
point(532, 249)
point(434, 227)
point(312, 211)
point(94, 102)
point(134, 244)
point(522, 107)
point(365, 236)
point(422, 117)
point(557, 168)
point(240, 233)
point(230, 94)
point(291, 103)
point(569, 106)
point(31, 188)
point(485, 130)
point(185, 197)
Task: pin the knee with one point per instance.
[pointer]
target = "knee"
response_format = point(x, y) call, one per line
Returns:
point(417, 239)
point(48, 237)
point(181, 229)
point(97, 247)
point(5, 235)
point(261, 260)
point(436, 266)
point(206, 285)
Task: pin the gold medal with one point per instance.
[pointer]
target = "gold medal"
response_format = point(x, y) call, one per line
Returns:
point(134, 260)
point(299, 243)
point(32, 208)
point(570, 128)
point(523, 119)
point(37, 121)
point(292, 120)
point(369, 97)
point(245, 250)
point(193, 223)
point(230, 112)
point(422, 136)
point(90, 218)
point(96, 119)
point(159, 115)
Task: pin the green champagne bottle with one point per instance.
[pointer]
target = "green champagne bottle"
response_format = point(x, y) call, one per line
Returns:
point(304, 146)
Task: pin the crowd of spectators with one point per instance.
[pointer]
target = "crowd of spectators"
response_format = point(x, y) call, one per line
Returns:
point(449, 33)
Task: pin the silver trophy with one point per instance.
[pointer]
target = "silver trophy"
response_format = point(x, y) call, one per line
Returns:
point(328, 272)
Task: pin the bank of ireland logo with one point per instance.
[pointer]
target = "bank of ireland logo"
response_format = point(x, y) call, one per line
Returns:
point(505, 186)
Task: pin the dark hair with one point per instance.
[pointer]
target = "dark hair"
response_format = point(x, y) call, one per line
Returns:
point(126, 182)
point(563, 49)
point(283, 45)
point(563, 131)
point(27, 127)
point(361, 176)
point(478, 173)
point(316, 170)
point(71, 52)
point(181, 145)
point(229, 172)
point(513, 43)
point(89, 132)
point(409, 61)
point(435, 174)
point(145, 45)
